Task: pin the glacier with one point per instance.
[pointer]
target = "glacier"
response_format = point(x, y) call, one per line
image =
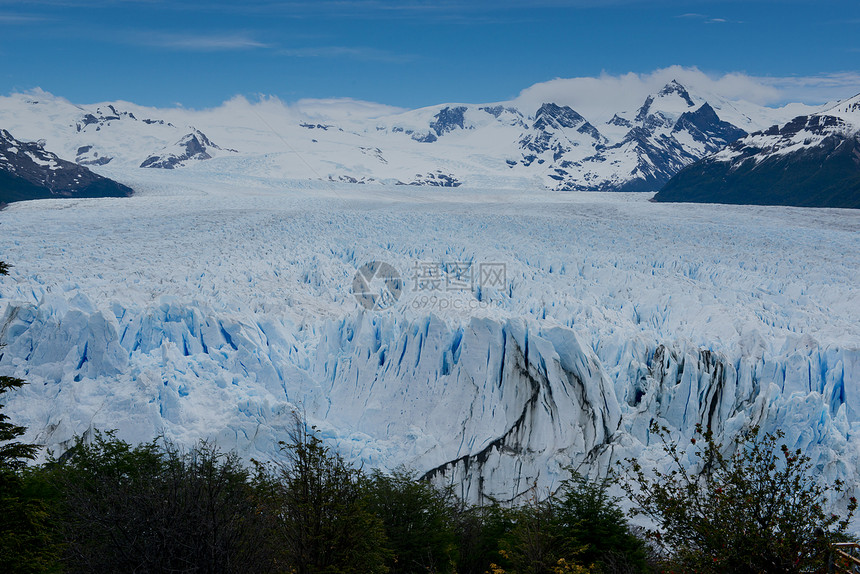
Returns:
point(214, 307)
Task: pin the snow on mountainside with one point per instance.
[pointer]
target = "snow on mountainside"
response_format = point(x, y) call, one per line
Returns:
point(813, 161)
point(532, 331)
point(192, 146)
point(847, 110)
point(115, 134)
point(27, 171)
point(667, 133)
point(551, 145)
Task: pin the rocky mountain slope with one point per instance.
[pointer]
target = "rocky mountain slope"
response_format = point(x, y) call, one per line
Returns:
point(811, 161)
point(28, 171)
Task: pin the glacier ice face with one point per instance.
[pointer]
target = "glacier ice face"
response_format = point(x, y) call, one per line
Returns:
point(495, 406)
point(214, 310)
point(491, 397)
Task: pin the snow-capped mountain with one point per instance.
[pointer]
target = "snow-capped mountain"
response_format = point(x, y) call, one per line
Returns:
point(812, 160)
point(668, 132)
point(194, 146)
point(493, 145)
point(563, 150)
point(113, 135)
point(28, 171)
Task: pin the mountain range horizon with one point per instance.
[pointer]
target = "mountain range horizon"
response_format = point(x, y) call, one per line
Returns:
point(628, 142)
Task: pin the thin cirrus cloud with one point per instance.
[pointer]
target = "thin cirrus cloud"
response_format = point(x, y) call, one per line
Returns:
point(821, 87)
point(704, 18)
point(20, 19)
point(347, 52)
point(467, 12)
point(199, 43)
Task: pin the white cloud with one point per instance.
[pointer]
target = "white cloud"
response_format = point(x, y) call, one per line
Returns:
point(343, 108)
point(329, 110)
point(817, 89)
point(598, 97)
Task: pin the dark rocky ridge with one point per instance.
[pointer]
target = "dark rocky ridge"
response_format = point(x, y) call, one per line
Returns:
point(103, 118)
point(449, 119)
point(548, 133)
point(27, 171)
point(706, 127)
point(823, 172)
point(437, 179)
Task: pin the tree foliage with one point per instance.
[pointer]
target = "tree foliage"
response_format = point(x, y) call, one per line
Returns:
point(480, 528)
point(108, 506)
point(318, 511)
point(419, 521)
point(154, 508)
point(26, 542)
point(581, 528)
point(533, 545)
point(591, 521)
point(13, 454)
point(757, 509)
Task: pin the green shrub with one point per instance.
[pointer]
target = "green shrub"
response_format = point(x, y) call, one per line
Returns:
point(757, 509)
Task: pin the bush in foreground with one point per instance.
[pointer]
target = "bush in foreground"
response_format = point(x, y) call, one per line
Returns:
point(755, 510)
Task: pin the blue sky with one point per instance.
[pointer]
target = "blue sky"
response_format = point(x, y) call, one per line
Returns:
point(412, 53)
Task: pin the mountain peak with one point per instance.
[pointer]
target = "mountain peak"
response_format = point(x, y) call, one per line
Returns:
point(674, 87)
point(192, 146)
point(705, 125)
point(811, 161)
point(669, 103)
point(555, 116)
